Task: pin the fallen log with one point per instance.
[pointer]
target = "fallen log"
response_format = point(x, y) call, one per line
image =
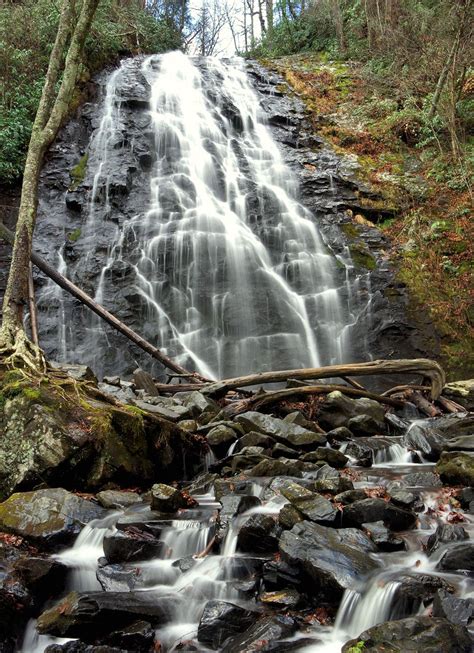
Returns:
point(263, 399)
point(422, 366)
point(114, 322)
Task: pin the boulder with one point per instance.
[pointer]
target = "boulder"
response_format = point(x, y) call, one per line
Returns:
point(254, 439)
point(383, 538)
point(165, 498)
point(374, 510)
point(365, 425)
point(462, 392)
point(279, 575)
point(338, 409)
point(445, 534)
point(332, 457)
point(49, 518)
point(138, 637)
point(330, 561)
point(289, 598)
point(461, 443)
point(456, 468)
point(43, 577)
point(412, 635)
point(119, 578)
point(263, 636)
point(220, 438)
point(259, 534)
point(289, 516)
point(423, 438)
point(88, 616)
point(456, 610)
point(272, 467)
point(349, 496)
point(338, 435)
point(221, 620)
point(422, 479)
point(459, 557)
point(200, 407)
point(117, 499)
point(287, 433)
point(312, 506)
point(465, 496)
point(131, 545)
point(282, 451)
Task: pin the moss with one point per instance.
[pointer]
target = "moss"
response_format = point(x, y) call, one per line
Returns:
point(361, 257)
point(74, 235)
point(350, 230)
point(33, 394)
point(78, 173)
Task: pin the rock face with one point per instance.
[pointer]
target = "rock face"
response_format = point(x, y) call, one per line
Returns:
point(48, 518)
point(329, 189)
point(413, 635)
point(221, 620)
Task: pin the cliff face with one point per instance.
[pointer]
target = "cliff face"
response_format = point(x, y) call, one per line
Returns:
point(85, 226)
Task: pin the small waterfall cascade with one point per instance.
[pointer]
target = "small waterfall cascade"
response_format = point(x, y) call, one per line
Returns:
point(223, 267)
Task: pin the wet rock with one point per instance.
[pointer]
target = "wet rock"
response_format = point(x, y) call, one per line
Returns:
point(48, 518)
point(281, 599)
point(139, 637)
point(81, 647)
point(456, 610)
point(349, 496)
point(403, 498)
point(132, 545)
point(413, 635)
point(422, 437)
point(78, 372)
point(332, 457)
point(279, 575)
point(225, 487)
point(458, 558)
point(43, 577)
point(329, 560)
point(263, 636)
point(462, 392)
point(165, 498)
point(275, 468)
point(456, 468)
point(94, 614)
point(332, 485)
point(289, 516)
point(374, 510)
point(201, 407)
point(364, 425)
point(445, 534)
point(280, 450)
point(254, 439)
point(422, 479)
point(338, 409)
point(311, 505)
point(383, 538)
point(119, 578)
point(259, 534)
point(115, 499)
point(236, 504)
point(288, 434)
point(185, 564)
point(454, 425)
point(338, 435)
point(369, 450)
point(461, 443)
point(465, 496)
point(221, 620)
point(415, 589)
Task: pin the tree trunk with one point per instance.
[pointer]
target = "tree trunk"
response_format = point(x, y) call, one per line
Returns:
point(339, 24)
point(269, 12)
point(51, 112)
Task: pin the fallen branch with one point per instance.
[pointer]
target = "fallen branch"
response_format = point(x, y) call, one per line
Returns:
point(254, 403)
point(423, 366)
point(84, 298)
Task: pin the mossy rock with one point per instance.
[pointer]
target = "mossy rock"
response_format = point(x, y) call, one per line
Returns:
point(78, 172)
point(456, 468)
point(361, 257)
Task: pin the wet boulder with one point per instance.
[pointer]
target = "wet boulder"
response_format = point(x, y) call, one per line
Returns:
point(271, 467)
point(456, 610)
point(445, 534)
point(459, 557)
point(422, 479)
point(287, 433)
point(88, 616)
point(416, 589)
point(131, 545)
point(289, 516)
point(259, 534)
point(119, 578)
point(222, 620)
point(365, 425)
point(374, 510)
point(456, 468)
point(383, 538)
point(366, 451)
point(422, 437)
point(263, 636)
point(220, 438)
point(312, 506)
point(332, 457)
point(413, 635)
point(349, 496)
point(201, 407)
point(338, 435)
point(254, 439)
point(282, 451)
point(225, 487)
point(288, 598)
point(329, 561)
point(338, 409)
point(278, 575)
point(165, 498)
point(117, 499)
point(48, 518)
point(43, 577)
point(461, 443)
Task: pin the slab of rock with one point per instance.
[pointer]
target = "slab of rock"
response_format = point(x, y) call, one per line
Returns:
point(263, 636)
point(374, 510)
point(94, 614)
point(281, 599)
point(460, 557)
point(456, 610)
point(116, 499)
point(131, 545)
point(413, 635)
point(365, 425)
point(287, 433)
point(330, 561)
point(383, 538)
point(332, 457)
point(445, 534)
point(259, 534)
point(221, 620)
point(49, 518)
point(165, 498)
point(422, 479)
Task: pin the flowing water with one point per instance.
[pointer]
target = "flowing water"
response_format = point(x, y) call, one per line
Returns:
point(226, 268)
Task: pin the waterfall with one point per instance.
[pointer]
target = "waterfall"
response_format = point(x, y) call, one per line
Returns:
point(207, 246)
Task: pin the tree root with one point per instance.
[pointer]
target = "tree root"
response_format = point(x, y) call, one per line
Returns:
point(22, 354)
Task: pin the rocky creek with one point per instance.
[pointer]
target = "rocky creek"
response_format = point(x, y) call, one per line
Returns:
point(292, 537)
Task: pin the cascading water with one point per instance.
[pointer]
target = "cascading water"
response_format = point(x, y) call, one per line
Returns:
point(225, 268)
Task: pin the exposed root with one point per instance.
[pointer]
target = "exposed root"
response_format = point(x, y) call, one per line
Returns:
point(22, 354)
